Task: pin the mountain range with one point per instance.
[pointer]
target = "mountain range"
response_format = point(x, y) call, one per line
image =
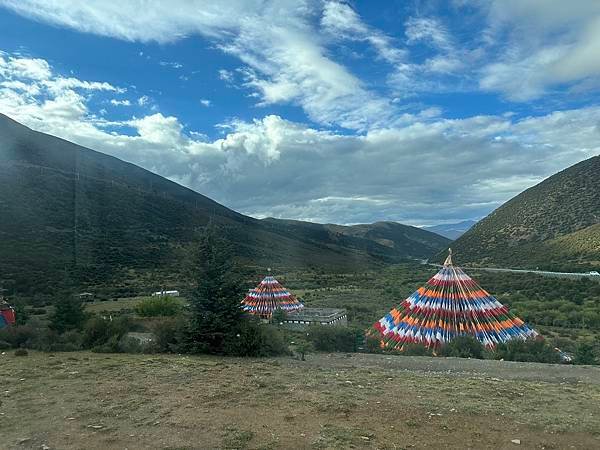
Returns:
point(452, 230)
point(79, 219)
point(554, 225)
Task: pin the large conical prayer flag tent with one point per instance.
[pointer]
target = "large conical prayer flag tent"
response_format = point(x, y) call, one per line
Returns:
point(7, 314)
point(269, 296)
point(450, 304)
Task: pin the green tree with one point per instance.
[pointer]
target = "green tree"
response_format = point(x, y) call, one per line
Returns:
point(68, 314)
point(158, 306)
point(215, 302)
point(303, 347)
point(279, 316)
point(584, 354)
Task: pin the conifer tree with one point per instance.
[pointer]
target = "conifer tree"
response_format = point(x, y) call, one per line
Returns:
point(215, 302)
point(69, 314)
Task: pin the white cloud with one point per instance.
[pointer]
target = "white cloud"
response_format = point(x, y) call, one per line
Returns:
point(341, 21)
point(285, 59)
point(143, 100)
point(171, 64)
point(430, 170)
point(205, 102)
point(429, 31)
point(28, 68)
point(541, 45)
point(116, 102)
point(226, 75)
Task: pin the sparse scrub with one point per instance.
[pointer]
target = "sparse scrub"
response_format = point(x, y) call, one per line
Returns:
point(158, 306)
point(532, 350)
point(463, 347)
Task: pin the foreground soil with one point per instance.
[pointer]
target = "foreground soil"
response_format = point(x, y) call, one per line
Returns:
point(100, 401)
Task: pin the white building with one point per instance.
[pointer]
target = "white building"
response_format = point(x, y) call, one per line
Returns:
point(166, 293)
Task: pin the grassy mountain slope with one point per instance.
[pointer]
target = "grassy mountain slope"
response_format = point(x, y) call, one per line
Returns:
point(77, 217)
point(385, 240)
point(552, 225)
point(452, 230)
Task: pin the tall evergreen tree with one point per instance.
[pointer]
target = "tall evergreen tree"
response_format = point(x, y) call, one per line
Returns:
point(69, 314)
point(215, 302)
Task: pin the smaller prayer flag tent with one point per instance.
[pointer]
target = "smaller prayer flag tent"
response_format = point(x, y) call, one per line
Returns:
point(7, 314)
point(269, 296)
point(450, 304)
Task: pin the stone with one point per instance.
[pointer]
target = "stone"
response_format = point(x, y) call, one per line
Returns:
point(516, 441)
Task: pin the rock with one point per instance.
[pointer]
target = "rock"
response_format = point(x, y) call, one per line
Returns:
point(96, 427)
point(23, 441)
point(365, 438)
point(516, 441)
point(45, 447)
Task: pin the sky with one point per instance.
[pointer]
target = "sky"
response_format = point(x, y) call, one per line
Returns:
point(421, 112)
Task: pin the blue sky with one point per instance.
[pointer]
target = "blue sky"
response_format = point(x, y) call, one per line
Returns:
point(422, 112)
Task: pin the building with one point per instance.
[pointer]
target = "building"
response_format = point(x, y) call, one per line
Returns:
point(86, 297)
point(317, 316)
point(165, 294)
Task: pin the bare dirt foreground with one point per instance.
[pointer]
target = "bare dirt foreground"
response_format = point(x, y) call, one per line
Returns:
point(99, 401)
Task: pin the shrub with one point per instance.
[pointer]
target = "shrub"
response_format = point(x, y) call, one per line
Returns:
point(158, 306)
point(335, 339)
point(21, 352)
point(373, 344)
point(4, 345)
point(169, 334)
point(98, 331)
point(463, 347)
point(19, 335)
point(303, 347)
point(279, 316)
point(416, 350)
point(584, 354)
point(531, 350)
point(254, 339)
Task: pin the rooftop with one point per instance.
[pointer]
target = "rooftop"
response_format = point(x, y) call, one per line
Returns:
point(316, 314)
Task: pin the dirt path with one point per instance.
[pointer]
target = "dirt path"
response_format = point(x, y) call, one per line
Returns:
point(460, 367)
point(97, 401)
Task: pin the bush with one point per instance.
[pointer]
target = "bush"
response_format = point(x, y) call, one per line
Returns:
point(99, 332)
point(531, 350)
point(327, 338)
point(158, 306)
point(303, 347)
point(584, 354)
point(4, 345)
point(21, 352)
point(19, 335)
point(463, 347)
point(279, 316)
point(169, 334)
point(416, 350)
point(255, 340)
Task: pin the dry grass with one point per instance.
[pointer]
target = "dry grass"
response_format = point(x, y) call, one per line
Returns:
point(96, 401)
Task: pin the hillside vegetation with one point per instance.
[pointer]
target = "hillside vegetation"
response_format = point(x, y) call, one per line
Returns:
point(553, 225)
point(81, 220)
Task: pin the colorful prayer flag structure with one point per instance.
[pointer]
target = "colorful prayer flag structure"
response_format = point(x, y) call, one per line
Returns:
point(269, 296)
point(451, 304)
point(7, 314)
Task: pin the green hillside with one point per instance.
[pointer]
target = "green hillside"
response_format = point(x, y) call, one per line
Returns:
point(81, 219)
point(553, 225)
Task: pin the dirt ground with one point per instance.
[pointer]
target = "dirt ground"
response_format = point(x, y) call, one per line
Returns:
point(100, 401)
